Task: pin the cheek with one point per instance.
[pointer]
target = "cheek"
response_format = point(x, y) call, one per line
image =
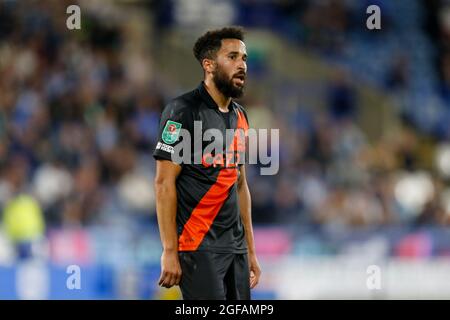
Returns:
point(226, 71)
point(231, 70)
point(226, 66)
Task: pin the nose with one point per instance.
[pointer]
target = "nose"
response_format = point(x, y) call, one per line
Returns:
point(242, 66)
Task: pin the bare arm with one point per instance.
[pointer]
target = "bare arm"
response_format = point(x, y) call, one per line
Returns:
point(166, 209)
point(245, 209)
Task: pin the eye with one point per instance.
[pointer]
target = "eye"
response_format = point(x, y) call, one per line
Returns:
point(232, 57)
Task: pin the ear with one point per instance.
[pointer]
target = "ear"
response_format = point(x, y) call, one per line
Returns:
point(208, 65)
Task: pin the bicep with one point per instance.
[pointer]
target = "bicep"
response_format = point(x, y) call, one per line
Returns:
point(166, 171)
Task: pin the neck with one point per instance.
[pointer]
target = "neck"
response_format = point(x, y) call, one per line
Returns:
point(218, 97)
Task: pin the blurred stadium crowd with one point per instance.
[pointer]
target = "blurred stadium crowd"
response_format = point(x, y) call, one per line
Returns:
point(79, 114)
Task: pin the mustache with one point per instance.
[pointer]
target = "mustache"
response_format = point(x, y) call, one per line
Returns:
point(241, 74)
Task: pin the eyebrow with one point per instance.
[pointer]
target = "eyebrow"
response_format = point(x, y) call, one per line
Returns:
point(236, 52)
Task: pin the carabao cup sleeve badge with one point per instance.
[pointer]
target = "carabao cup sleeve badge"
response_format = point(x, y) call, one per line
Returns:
point(171, 132)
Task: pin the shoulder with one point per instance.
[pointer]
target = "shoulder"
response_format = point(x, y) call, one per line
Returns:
point(181, 106)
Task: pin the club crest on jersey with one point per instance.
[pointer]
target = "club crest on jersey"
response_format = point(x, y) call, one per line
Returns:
point(171, 132)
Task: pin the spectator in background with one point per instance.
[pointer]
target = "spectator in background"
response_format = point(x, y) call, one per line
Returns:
point(24, 224)
point(342, 96)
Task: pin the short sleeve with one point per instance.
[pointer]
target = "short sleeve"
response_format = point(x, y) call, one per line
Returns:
point(174, 118)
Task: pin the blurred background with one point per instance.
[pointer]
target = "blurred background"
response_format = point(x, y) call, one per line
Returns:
point(364, 144)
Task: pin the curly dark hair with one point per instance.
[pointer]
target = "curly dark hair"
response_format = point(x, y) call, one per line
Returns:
point(208, 44)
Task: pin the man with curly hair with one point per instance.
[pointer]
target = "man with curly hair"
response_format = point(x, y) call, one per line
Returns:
point(204, 209)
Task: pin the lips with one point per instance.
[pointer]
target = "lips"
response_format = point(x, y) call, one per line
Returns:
point(240, 78)
point(239, 81)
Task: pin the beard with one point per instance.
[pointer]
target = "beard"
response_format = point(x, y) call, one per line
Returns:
point(225, 84)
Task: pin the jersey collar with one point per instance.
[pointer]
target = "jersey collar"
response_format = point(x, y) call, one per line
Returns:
point(208, 99)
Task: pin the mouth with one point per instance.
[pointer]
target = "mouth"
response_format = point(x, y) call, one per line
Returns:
point(240, 79)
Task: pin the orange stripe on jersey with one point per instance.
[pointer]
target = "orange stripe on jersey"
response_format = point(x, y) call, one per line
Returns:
point(241, 133)
point(209, 206)
point(206, 211)
point(242, 121)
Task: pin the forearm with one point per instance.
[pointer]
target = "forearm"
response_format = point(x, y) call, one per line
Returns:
point(166, 209)
point(246, 216)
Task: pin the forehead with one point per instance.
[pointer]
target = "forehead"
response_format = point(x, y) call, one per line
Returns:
point(229, 45)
